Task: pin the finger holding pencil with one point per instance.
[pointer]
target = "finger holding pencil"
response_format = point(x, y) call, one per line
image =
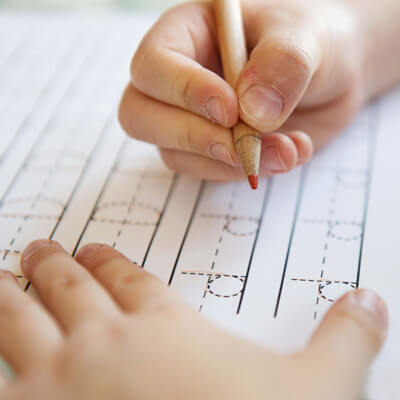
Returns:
point(192, 101)
point(233, 52)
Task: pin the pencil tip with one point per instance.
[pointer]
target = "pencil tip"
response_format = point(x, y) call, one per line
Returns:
point(253, 180)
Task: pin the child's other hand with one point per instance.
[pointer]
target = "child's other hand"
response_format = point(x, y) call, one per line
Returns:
point(302, 81)
point(109, 330)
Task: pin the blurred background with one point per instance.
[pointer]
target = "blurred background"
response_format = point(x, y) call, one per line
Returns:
point(73, 4)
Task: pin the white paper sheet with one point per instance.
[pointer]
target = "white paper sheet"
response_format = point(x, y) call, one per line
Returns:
point(265, 264)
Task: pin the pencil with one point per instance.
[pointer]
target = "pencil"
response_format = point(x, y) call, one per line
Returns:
point(233, 52)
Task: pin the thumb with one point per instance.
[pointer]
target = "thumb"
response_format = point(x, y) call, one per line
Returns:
point(348, 340)
point(287, 53)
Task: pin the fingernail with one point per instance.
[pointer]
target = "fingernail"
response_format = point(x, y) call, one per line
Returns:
point(372, 303)
point(87, 251)
point(215, 110)
point(95, 255)
point(219, 151)
point(272, 160)
point(262, 103)
point(33, 248)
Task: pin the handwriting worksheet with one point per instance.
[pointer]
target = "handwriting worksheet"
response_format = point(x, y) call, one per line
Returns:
point(265, 264)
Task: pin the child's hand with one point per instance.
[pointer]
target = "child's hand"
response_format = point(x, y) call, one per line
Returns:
point(109, 330)
point(303, 76)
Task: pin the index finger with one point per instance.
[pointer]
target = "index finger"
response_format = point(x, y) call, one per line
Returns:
point(178, 63)
point(65, 288)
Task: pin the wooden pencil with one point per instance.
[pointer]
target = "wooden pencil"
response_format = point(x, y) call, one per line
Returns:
point(233, 51)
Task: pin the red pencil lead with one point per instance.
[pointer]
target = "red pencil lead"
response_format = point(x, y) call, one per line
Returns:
point(253, 180)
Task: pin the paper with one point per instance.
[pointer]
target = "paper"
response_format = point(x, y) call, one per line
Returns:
point(266, 264)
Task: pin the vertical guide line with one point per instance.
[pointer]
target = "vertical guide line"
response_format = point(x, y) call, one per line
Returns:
point(295, 218)
point(264, 207)
point(77, 184)
point(196, 204)
point(45, 89)
point(105, 129)
point(50, 121)
point(169, 195)
point(373, 123)
point(106, 183)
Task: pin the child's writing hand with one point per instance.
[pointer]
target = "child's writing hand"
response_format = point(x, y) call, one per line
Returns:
point(109, 330)
point(303, 75)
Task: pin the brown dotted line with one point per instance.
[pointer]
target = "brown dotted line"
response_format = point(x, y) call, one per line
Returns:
point(229, 219)
point(322, 281)
point(337, 237)
point(345, 239)
point(329, 221)
point(220, 239)
point(331, 212)
point(211, 215)
point(123, 222)
point(224, 296)
point(232, 217)
point(251, 233)
point(212, 277)
point(126, 203)
point(233, 196)
point(39, 195)
point(31, 216)
point(114, 203)
point(239, 234)
point(23, 199)
point(130, 207)
point(320, 287)
point(212, 274)
point(317, 297)
point(11, 252)
point(26, 216)
point(353, 185)
point(132, 172)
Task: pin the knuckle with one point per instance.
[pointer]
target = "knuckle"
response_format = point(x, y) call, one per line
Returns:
point(187, 140)
point(66, 282)
point(187, 91)
point(112, 330)
point(134, 279)
point(293, 55)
